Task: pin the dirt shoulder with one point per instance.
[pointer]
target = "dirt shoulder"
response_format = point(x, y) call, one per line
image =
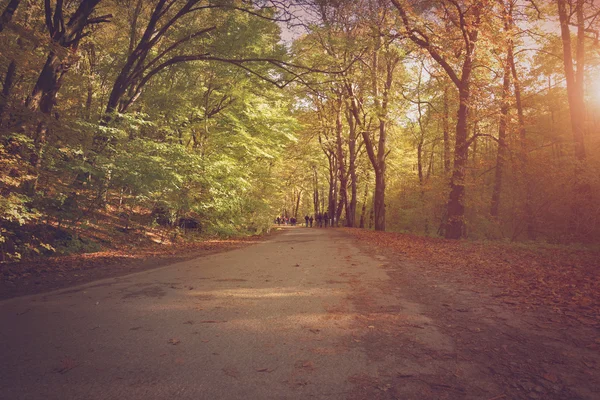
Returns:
point(473, 320)
point(52, 273)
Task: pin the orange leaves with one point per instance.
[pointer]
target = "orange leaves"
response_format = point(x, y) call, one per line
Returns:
point(550, 377)
point(33, 276)
point(565, 279)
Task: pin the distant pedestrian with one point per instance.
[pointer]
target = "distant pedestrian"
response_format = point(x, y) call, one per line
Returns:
point(306, 220)
point(319, 220)
point(278, 219)
point(310, 220)
point(325, 219)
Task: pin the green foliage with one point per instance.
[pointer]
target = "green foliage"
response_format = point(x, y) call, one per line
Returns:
point(215, 141)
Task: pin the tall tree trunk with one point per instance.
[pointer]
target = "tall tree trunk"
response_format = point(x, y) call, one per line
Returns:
point(66, 35)
point(351, 206)
point(379, 198)
point(7, 85)
point(332, 199)
point(42, 99)
point(342, 175)
point(297, 207)
point(322, 199)
point(574, 78)
point(90, 83)
point(8, 13)
point(455, 225)
point(468, 23)
point(43, 96)
point(528, 217)
point(315, 192)
point(446, 132)
point(11, 72)
point(501, 156)
point(47, 85)
point(363, 214)
point(378, 159)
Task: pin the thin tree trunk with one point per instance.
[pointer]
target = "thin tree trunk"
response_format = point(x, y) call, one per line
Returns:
point(297, 204)
point(351, 207)
point(90, 83)
point(332, 188)
point(379, 198)
point(524, 150)
point(501, 156)
point(378, 159)
point(342, 175)
point(316, 192)
point(574, 78)
point(7, 85)
point(446, 132)
point(363, 214)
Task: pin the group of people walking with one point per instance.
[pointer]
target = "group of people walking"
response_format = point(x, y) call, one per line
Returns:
point(321, 220)
point(285, 221)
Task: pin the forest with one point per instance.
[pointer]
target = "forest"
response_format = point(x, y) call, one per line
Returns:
point(459, 119)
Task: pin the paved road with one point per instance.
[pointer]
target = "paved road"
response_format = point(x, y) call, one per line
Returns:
point(272, 321)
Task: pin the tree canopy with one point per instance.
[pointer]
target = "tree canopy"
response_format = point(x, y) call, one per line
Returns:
point(459, 118)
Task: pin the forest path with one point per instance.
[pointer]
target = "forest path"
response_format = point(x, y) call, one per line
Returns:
point(308, 314)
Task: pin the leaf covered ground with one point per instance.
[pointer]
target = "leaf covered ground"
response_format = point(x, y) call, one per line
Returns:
point(44, 274)
point(461, 320)
point(567, 280)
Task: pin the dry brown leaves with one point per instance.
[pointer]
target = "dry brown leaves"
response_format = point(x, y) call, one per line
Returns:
point(48, 273)
point(565, 279)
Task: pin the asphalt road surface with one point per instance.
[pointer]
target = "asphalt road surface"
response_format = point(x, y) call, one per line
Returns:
point(310, 313)
point(270, 321)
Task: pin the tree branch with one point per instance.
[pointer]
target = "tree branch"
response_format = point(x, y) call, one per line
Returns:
point(141, 70)
point(424, 43)
point(48, 15)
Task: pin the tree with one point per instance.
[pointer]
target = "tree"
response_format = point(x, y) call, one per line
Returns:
point(574, 72)
point(8, 13)
point(465, 20)
point(63, 35)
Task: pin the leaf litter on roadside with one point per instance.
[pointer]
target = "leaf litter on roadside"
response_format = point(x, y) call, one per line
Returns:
point(565, 279)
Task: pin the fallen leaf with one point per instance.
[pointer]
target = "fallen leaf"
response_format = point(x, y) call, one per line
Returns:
point(231, 371)
point(174, 341)
point(269, 370)
point(66, 365)
point(550, 377)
